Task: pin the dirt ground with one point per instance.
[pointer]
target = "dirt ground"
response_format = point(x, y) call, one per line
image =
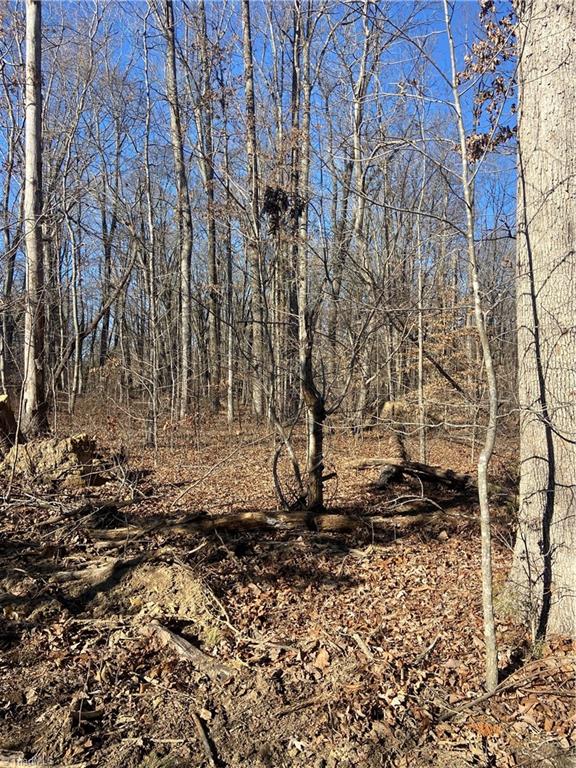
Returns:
point(125, 645)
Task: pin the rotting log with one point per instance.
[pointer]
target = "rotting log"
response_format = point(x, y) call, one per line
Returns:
point(404, 507)
point(410, 512)
point(398, 467)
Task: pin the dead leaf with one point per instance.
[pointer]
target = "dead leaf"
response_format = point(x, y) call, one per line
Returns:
point(485, 728)
point(322, 660)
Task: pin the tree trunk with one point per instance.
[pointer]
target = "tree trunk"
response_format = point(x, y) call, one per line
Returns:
point(229, 309)
point(184, 214)
point(108, 232)
point(35, 408)
point(151, 276)
point(491, 661)
point(543, 575)
point(313, 399)
point(253, 230)
point(359, 228)
point(341, 245)
point(10, 241)
point(75, 310)
point(204, 121)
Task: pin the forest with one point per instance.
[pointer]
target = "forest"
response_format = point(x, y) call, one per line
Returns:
point(287, 383)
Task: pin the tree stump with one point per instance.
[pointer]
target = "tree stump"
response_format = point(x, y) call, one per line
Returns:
point(8, 426)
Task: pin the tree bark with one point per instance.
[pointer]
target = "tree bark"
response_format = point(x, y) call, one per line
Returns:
point(543, 576)
point(34, 406)
point(359, 221)
point(108, 233)
point(204, 115)
point(229, 309)
point(253, 229)
point(183, 210)
point(150, 267)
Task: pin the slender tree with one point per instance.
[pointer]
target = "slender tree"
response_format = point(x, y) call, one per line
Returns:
point(467, 180)
point(150, 269)
point(183, 208)
point(11, 225)
point(311, 395)
point(204, 121)
point(253, 245)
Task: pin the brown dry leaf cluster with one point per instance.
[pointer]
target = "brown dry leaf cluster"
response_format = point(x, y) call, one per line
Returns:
point(272, 647)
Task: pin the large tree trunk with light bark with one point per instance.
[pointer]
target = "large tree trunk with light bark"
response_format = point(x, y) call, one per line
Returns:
point(34, 406)
point(543, 576)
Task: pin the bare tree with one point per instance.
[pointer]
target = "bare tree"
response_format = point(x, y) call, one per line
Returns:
point(489, 441)
point(253, 228)
point(35, 408)
point(311, 394)
point(204, 121)
point(183, 209)
point(150, 267)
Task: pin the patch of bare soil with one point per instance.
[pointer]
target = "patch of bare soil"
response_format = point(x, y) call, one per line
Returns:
point(276, 647)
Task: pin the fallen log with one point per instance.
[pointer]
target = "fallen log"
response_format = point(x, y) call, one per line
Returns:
point(411, 512)
point(400, 522)
point(393, 469)
point(190, 524)
point(403, 507)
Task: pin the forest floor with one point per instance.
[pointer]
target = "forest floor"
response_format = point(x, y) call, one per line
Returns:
point(277, 647)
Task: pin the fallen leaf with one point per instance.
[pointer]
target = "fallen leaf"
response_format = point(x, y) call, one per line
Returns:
point(322, 660)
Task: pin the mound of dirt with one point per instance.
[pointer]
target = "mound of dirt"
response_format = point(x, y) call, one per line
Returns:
point(72, 462)
point(169, 592)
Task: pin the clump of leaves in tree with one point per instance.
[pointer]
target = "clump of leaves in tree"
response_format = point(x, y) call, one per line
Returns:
point(488, 62)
